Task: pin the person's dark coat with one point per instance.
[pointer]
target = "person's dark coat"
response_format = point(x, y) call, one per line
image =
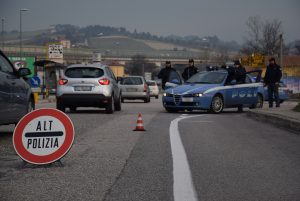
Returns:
point(240, 75)
point(189, 72)
point(164, 75)
point(273, 74)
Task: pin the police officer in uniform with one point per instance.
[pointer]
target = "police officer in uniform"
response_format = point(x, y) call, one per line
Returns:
point(271, 80)
point(190, 70)
point(240, 72)
point(164, 73)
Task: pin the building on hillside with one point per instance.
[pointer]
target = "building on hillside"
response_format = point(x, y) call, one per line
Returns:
point(116, 67)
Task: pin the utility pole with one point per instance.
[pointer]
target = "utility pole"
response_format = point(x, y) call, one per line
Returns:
point(21, 10)
point(281, 43)
point(2, 33)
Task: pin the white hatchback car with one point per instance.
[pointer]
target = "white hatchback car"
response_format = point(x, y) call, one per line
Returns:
point(88, 85)
point(154, 90)
point(134, 87)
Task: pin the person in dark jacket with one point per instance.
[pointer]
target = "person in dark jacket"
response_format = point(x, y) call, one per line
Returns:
point(271, 80)
point(240, 72)
point(164, 73)
point(189, 71)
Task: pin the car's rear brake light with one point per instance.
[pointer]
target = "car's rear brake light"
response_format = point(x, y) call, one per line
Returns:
point(145, 88)
point(62, 81)
point(104, 81)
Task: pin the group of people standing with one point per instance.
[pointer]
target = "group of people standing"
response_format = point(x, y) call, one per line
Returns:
point(271, 80)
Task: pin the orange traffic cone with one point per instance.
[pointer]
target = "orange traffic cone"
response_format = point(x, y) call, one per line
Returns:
point(139, 124)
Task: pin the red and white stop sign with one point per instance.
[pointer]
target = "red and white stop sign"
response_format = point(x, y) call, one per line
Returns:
point(43, 136)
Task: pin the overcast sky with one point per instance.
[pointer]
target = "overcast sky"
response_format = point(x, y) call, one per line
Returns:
point(224, 18)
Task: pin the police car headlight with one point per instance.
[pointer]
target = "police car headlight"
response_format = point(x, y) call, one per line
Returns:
point(167, 95)
point(198, 94)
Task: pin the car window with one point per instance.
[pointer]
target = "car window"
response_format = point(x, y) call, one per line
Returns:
point(112, 75)
point(5, 65)
point(248, 80)
point(131, 81)
point(174, 77)
point(151, 83)
point(212, 77)
point(84, 72)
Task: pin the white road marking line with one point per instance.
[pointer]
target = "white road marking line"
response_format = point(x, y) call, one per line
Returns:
point(183, 187)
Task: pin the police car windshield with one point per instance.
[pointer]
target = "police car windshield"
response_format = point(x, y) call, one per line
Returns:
point(211, 77)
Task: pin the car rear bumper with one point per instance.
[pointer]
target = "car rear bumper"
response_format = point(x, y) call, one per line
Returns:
point(135, 95)
point(83, 100)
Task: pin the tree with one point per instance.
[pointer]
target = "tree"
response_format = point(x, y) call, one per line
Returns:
point(263, 36)
point(297, 47)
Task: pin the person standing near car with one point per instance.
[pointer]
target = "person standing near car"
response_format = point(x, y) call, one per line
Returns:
point(164, 73)
point(271, 80)
point(190, 70)
point(240, 72)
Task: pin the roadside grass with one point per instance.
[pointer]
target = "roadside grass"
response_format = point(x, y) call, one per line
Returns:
point(297, 108)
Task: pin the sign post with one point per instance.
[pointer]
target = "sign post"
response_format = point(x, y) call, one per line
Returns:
point(43, 136)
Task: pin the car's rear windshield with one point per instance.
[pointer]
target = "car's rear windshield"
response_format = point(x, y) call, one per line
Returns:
point(131, 81)
point(84, 72)
point(151, 83)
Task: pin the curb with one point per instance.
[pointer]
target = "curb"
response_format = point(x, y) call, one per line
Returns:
point(277, 120)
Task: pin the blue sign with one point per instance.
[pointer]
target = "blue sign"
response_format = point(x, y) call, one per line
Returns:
point(35, 81)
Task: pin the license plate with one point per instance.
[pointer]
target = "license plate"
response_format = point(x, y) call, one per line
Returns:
point(131, 90)
point(187, 99)
point(83, 88)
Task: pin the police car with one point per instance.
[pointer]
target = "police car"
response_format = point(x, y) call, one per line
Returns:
point(214, 90)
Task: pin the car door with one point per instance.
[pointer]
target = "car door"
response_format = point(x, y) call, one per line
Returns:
point(174, 80)
point(6, 106)
point(19, 96)
point(253, 80)
point(114, 83)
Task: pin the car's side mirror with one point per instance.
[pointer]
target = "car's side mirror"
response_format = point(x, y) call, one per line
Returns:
point(233, 82)
point(22, 72)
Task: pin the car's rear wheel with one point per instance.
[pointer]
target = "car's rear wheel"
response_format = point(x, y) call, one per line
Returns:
point(118, 104)
point(217, 104)
point(110, 108)
point(156, 97)
point(122, 100)
point(146, 100)
point(60, 105)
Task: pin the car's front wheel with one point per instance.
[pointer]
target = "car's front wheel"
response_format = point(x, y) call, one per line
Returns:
point(217, 104)
point(110, 108)
point(30, 106)
point(171, 110)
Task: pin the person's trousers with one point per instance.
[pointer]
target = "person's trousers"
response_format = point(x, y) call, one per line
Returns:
point(273, 94)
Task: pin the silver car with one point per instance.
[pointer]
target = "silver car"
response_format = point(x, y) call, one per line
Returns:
point(154, 90)
point(134, 87)
point(88, 85)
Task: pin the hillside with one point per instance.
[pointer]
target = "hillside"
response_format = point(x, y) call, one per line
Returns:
point(117, 42)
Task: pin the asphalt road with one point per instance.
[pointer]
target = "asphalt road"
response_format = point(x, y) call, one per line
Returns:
point(222, 157)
